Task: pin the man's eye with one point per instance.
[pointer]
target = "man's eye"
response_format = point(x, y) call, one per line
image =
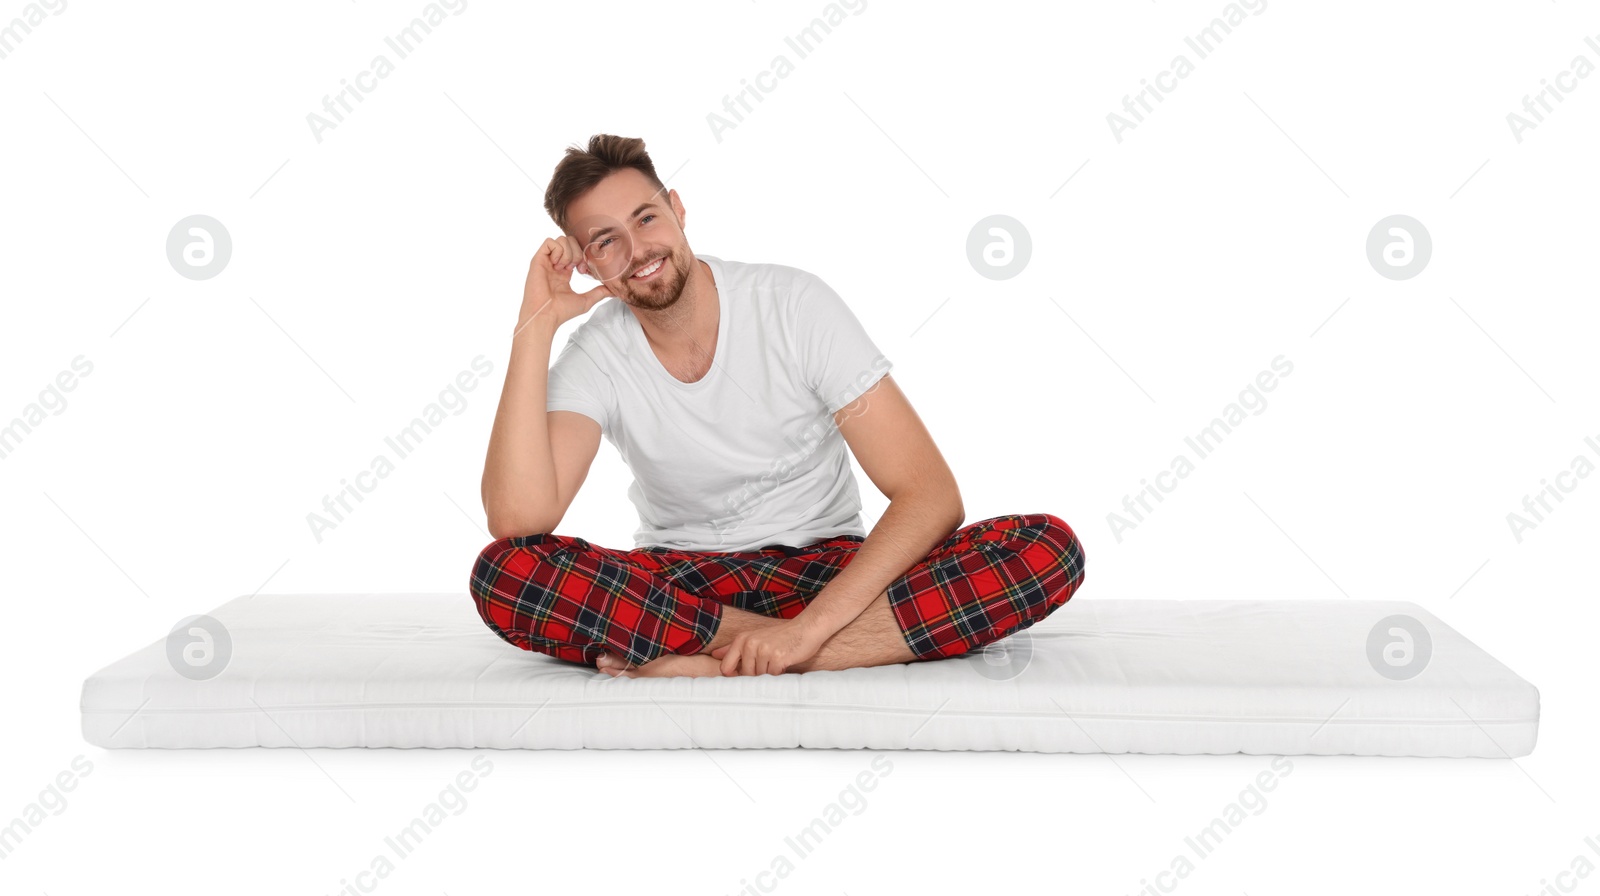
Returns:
point(646, 218)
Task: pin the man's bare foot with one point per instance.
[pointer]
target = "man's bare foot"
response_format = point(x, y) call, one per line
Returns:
point(699, 665)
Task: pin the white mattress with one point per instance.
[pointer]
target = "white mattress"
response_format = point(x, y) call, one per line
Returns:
point(1112, 676)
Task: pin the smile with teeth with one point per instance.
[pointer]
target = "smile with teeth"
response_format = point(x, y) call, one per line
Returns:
point(645, 273)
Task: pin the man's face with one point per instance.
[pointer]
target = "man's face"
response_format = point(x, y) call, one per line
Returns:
point(625, 225)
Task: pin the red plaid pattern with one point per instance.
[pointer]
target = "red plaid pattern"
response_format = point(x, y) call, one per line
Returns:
point(562, 596)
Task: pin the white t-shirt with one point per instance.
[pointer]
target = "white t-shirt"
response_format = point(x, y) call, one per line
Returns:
point(748, 455)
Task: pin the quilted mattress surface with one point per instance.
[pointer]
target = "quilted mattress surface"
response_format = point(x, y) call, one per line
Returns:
point(1111, 676)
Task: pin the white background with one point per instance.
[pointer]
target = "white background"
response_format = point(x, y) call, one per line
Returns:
point(1168, 269)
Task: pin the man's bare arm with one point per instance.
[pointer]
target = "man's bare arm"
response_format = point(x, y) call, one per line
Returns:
point(522, 482)
point(898, 454)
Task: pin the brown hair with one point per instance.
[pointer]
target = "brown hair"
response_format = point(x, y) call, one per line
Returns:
point(580, 169)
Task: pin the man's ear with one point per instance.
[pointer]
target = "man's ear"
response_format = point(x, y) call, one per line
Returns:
point(677, 208)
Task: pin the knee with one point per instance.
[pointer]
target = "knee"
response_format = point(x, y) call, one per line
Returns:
point(1054, 531)
point(503, 557)
point(506, 575)
point(1058, 554)
point(518, 555)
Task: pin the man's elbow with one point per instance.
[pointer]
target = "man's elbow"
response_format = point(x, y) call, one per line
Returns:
point(959, 514)
point(945, 500)
point(502, 525)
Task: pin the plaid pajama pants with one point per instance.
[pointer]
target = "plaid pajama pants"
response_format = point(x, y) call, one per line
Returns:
point(562, 596)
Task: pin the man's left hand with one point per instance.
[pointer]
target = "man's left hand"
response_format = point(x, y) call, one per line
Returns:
point(769, 650)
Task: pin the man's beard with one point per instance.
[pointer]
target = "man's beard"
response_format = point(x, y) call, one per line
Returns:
point(662, 292)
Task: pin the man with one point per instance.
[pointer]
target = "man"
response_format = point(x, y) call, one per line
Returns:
point(731, 391)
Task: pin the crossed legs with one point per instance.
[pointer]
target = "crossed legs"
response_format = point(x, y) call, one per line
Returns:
point(658, 612)
point(871, 639)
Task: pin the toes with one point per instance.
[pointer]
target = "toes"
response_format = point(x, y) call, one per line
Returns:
point(614, 666)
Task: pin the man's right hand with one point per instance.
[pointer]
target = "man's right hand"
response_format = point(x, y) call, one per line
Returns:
point(548, 293)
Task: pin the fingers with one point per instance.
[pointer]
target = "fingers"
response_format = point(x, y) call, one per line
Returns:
point(571, 253)
point(741, 657)
point(562, 253)
point(541, 257)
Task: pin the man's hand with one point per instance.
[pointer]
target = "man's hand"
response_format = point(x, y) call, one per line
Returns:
point(548, 291)
point(769, 650)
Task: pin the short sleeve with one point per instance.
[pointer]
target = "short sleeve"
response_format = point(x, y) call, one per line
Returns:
point(838, 360)
point(577, 383)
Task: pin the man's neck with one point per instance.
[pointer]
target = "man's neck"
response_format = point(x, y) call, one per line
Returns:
point(687, 329)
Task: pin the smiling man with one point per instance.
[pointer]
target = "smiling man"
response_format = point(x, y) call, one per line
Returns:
point(733, 392)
